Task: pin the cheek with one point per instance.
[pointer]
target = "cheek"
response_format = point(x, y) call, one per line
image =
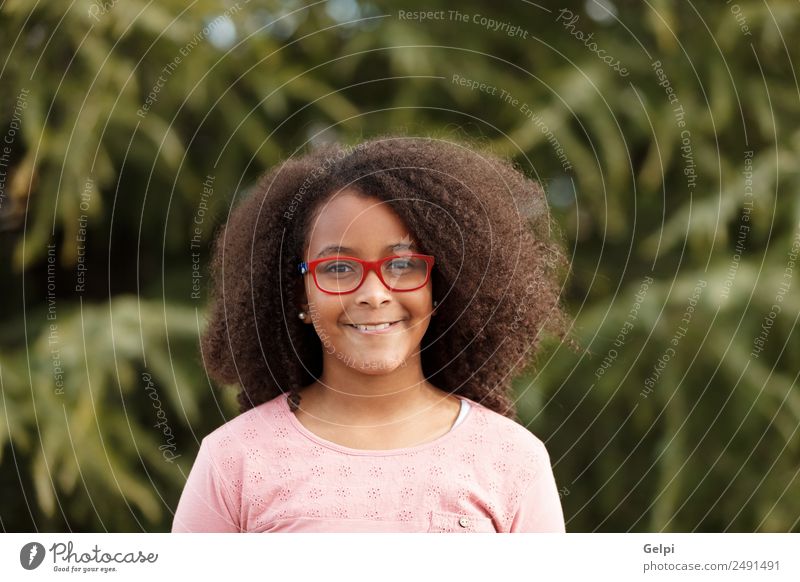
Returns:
point(421, 305)
point(419, 309)
point(326, 310)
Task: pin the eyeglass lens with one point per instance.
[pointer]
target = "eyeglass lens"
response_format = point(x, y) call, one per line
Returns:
point(342, 275)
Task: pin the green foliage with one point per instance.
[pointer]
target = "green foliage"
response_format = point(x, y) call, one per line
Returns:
point(125, 109)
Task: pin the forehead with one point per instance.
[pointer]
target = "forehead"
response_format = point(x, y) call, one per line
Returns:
point(364, 223)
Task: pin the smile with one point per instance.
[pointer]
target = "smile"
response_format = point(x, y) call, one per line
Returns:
point(374, 329)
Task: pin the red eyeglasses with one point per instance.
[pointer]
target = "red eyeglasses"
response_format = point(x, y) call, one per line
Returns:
point(338, 275)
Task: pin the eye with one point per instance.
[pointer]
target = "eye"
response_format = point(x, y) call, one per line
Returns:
point(337, 267)
point(399, 264)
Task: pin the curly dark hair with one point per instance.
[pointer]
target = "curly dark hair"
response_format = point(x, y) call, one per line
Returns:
point(497, 278)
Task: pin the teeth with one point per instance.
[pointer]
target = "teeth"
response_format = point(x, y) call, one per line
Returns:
point(372, 327)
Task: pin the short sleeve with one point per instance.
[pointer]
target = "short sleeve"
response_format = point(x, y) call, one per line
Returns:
point(205, 504)
point(540, 506)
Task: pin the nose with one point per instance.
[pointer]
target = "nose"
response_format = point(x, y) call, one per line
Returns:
point(372, 291)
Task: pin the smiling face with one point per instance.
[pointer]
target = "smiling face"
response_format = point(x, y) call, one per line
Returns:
point(354, 225)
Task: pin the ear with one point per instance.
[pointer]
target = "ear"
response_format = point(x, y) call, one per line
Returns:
point(302, 307)
point(303, 314)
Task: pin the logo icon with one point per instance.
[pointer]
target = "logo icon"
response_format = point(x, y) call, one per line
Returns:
point(31, 555)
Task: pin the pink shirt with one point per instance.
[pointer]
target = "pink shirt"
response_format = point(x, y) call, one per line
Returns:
point(264, 471)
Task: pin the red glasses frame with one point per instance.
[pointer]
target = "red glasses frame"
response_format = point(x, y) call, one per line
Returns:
point(367, 266)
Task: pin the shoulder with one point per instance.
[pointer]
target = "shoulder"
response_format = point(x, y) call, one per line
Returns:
point(507, 438)
point(247, 428)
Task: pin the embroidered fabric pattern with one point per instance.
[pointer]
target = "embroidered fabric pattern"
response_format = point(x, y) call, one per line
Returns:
point(265, 472)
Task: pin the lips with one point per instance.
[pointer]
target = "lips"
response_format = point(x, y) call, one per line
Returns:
point(374, 328)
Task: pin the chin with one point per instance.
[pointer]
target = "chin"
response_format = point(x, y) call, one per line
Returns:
point(377, 367)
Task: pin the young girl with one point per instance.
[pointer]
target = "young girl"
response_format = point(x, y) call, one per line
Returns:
point(374, 303)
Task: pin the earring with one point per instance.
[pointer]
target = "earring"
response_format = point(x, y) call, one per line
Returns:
point(435, 303)
point(302, 315)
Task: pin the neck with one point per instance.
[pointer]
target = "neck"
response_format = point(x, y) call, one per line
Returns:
point(349, 396)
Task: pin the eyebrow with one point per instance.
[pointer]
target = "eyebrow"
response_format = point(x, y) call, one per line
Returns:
point(336, 249)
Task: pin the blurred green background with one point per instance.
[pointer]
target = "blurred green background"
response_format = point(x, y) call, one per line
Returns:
point(676, 186)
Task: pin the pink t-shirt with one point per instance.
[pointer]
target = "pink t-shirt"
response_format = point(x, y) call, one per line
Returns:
point(264, 471)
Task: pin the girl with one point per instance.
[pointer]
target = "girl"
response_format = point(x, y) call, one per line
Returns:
point(373, 304)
